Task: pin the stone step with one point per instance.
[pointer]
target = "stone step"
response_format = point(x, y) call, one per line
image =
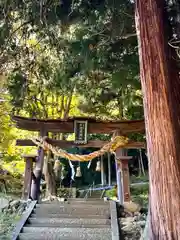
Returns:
point(67, 225)
point(81, 199)
point(70, 221)
point(64, 231)
point(72, 210)
point(78, 200)
point(87, 200)
point(71, 204)
point(56, 215)
point(92, 196)
point(67, 236)
point(96, 194)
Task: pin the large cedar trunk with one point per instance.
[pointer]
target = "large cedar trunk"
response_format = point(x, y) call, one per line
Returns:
point(161, 89)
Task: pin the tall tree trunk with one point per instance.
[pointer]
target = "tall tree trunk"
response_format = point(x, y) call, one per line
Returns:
point(121, 104)
point(161, 89)
point(68, 105)
point(57, 172)
point(49, 177)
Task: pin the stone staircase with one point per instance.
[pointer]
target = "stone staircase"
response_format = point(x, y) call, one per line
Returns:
point(95, 194)
point(76, 219)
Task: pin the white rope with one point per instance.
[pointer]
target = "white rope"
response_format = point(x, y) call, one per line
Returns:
point(72, 170)
point(89, 164)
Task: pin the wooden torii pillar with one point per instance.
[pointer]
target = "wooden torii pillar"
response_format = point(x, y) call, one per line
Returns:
point(109, 169)
point(36, 181)
point(28, 175)
point(122, 177)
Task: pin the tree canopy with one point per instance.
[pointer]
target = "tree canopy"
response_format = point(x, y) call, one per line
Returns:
point(64, 58)
point(72, 48)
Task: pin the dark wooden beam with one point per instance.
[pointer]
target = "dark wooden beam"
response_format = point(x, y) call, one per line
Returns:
point(69, 144)
point(94, 126)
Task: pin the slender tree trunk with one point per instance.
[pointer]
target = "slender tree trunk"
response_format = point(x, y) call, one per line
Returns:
point(121, 104)
point(68, 105)
point(161, 89)
point(49, 178)
point(57, 173)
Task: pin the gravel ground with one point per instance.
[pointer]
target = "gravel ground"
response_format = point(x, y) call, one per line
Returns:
point(132, 227)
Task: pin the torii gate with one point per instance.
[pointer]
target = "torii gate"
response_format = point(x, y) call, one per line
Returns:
point(81, 126)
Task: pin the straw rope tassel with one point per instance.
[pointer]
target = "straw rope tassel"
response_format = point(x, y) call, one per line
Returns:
point(98, 166)
point(78, 171)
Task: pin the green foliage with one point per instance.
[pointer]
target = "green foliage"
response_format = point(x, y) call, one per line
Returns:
point(88, 48)
point(7, 223)
point(140, 195)
point(111, 193)
point(16, 84)
point(70, 58)
point(6, 134)
point(143, 178)
point(11, 155)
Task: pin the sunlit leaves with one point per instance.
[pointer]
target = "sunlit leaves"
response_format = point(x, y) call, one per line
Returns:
point(67, 48)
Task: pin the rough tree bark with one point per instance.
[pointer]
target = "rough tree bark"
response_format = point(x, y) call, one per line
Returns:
point(161, 89)
point(49, 177)
point(57, 172)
